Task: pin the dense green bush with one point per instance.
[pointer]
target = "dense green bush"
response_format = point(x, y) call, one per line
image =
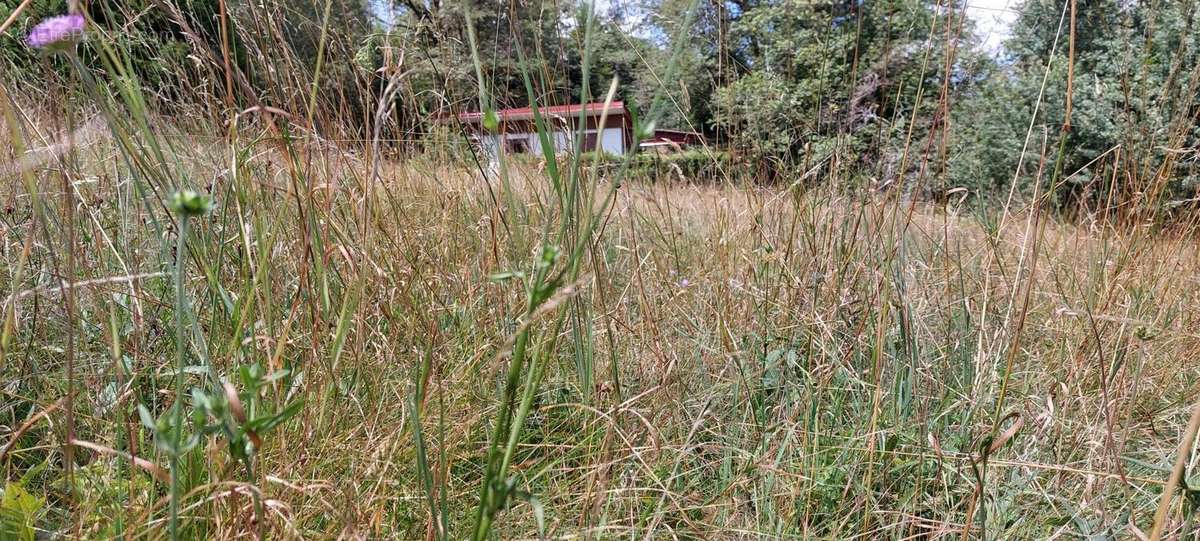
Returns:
point(1133, 107)
point(693, 165)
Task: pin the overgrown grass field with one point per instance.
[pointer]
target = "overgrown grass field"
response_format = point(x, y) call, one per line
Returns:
point(220, 320)
point(730, 362)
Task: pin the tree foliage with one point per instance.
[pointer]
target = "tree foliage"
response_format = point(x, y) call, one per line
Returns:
point(897, 91)
point(1133, 108)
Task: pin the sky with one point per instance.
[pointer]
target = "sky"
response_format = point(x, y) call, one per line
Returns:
point(993, 20)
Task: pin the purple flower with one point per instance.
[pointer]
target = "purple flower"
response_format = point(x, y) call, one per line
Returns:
point(56, 31)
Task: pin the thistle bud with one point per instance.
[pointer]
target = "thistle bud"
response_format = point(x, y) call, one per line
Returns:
point(189, 203)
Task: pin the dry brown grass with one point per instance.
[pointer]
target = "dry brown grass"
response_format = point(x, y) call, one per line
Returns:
point(789, 363)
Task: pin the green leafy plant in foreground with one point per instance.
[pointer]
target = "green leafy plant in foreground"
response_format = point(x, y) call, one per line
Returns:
point(19, 511)
point(221, 411)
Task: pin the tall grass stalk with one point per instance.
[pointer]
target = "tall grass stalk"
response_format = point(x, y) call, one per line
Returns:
point(186, 204)
point(18, 145)
point(546, 287)
point(180, 365)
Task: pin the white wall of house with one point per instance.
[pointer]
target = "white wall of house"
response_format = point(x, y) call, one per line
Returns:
point(563, 140)
point(613, 141)
point(610, 140)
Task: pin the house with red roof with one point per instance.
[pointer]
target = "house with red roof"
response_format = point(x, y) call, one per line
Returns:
point(608, 129)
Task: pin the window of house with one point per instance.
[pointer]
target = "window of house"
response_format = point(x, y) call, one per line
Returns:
point(517, 146)
point(590, 141)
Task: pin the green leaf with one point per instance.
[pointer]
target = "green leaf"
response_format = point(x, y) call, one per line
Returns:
point(507, 275)
point(539, 512)
point(263, 425)
point(146, 418)
point(645, 131)
point(18, 512)
point(549, 254)
point(277, 375)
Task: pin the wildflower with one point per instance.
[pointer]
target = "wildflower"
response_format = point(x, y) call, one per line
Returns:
point(189, 203)
point(57, 31)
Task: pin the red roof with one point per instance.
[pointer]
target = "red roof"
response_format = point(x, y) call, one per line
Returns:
point(617, 108)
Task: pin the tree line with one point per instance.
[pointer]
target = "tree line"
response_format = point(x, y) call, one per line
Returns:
point(1087, 102)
